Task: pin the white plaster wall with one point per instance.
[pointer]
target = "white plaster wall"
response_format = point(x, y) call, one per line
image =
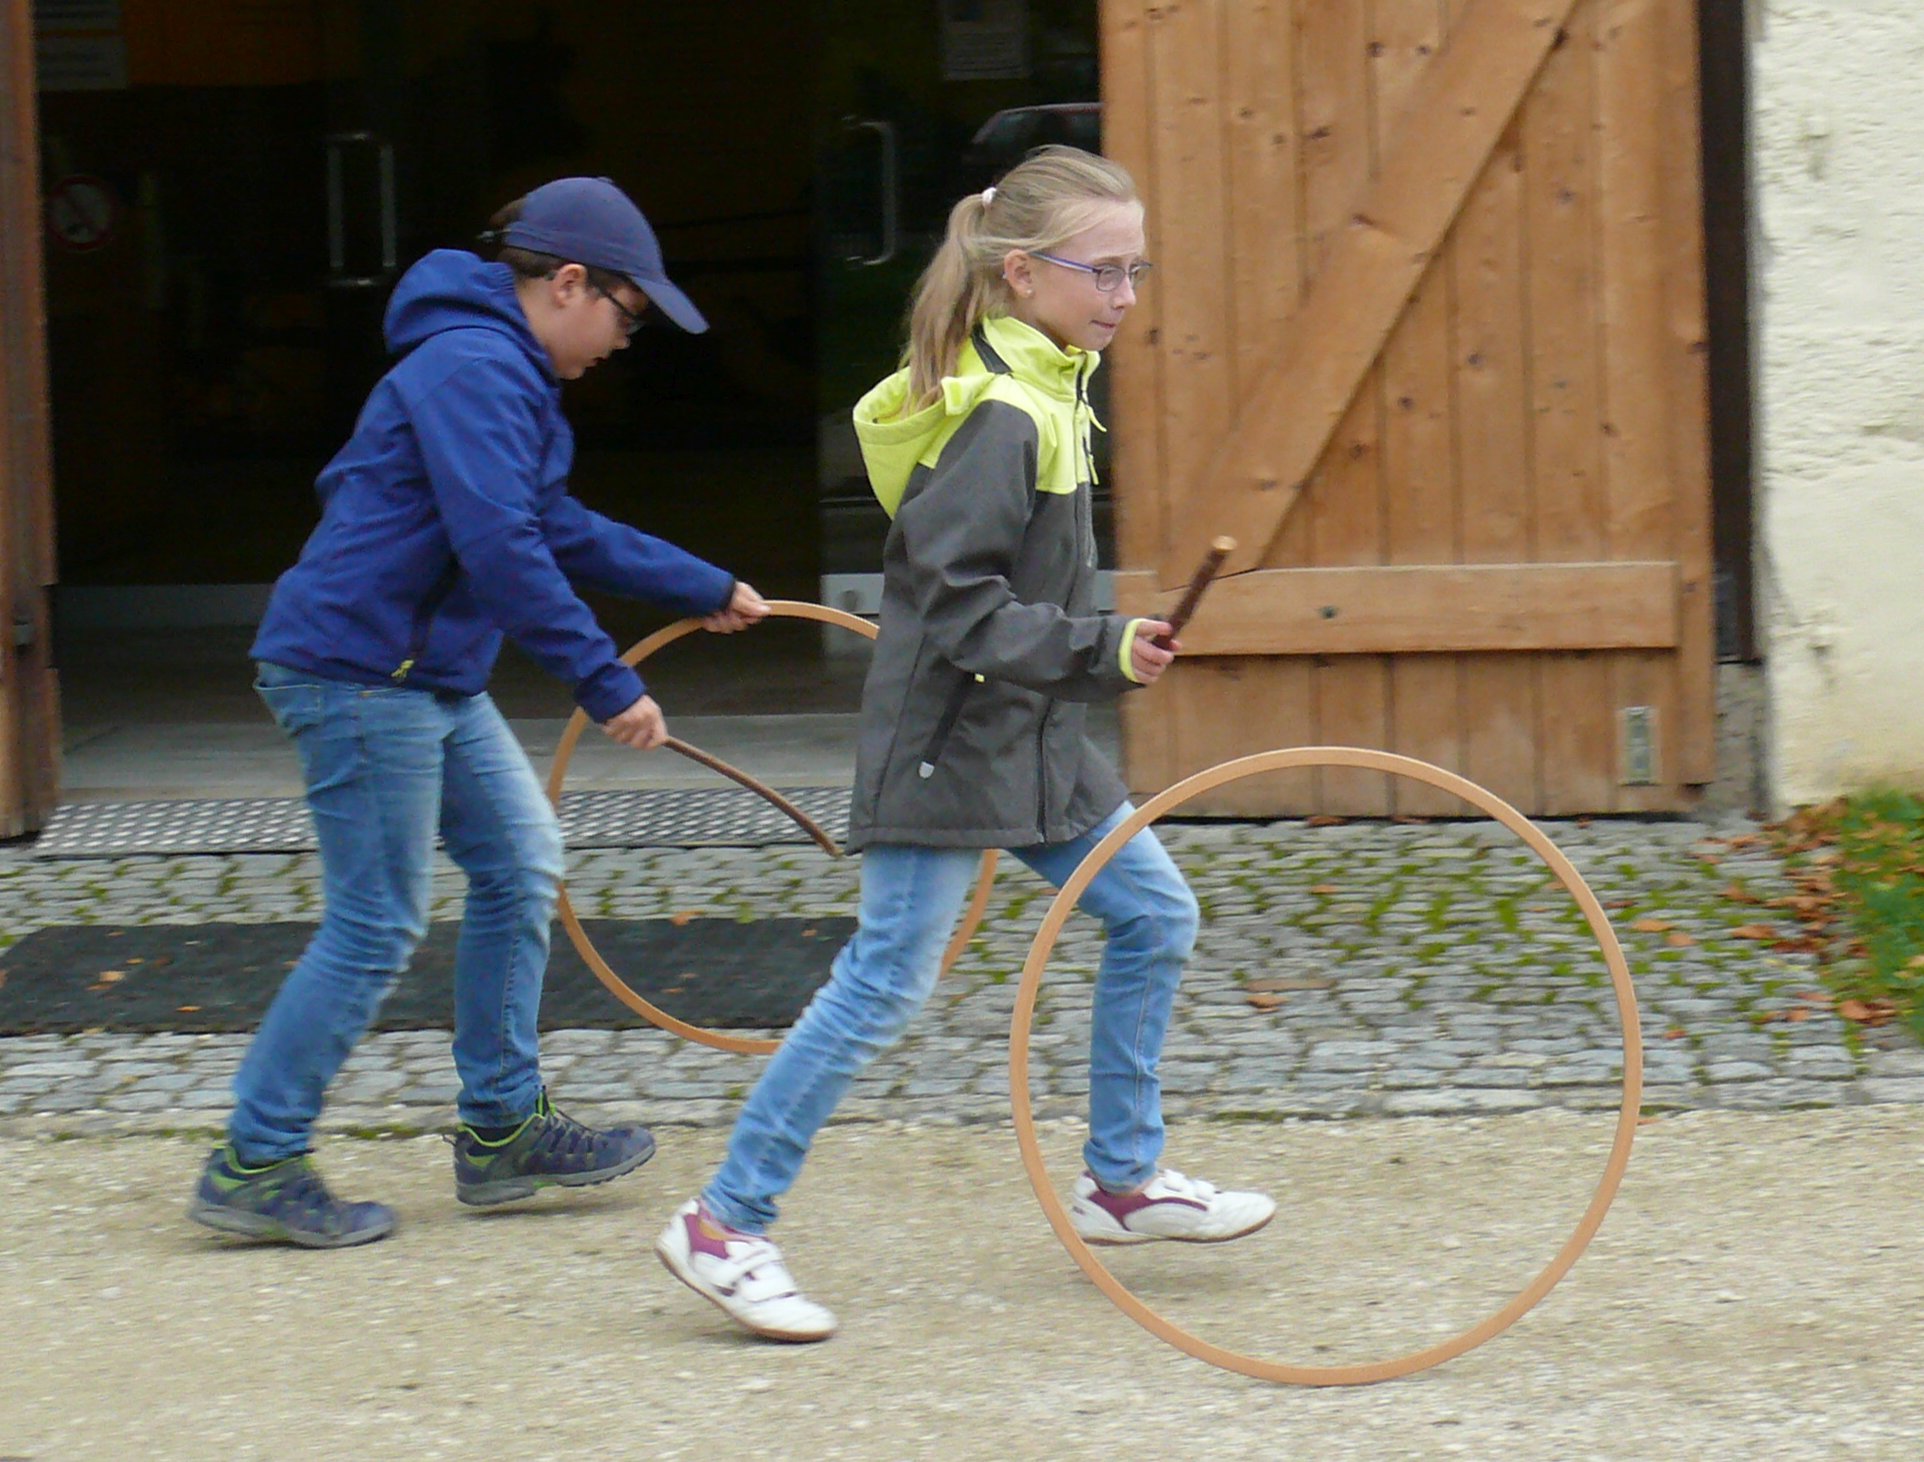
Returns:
point(1838, 157)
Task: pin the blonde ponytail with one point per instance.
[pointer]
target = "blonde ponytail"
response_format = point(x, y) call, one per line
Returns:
point(1048, 198)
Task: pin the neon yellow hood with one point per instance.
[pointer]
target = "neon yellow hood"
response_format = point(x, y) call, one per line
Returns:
point(1042, 380)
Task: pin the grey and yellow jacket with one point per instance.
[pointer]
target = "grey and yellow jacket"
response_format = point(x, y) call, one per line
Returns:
point(989, 645)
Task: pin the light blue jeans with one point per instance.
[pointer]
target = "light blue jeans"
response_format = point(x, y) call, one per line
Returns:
point(385, 767)
point(910, 899)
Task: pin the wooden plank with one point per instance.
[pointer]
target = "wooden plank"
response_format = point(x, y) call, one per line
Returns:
point(1133, 367)
point(1574, 730)
point(1456, 113)
point(1638, 386)
point(1220, 694)
point(1425, 609)
point(1420, 503)
point(1684, 289)
point(1197, 334)
point(29, 703)
point(1193, 320)
point(1341, 503)
point(1499, 691)
point(1261, 156)
point(1210, 700)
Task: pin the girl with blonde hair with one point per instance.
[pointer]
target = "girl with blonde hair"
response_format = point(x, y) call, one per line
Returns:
point(971, 732)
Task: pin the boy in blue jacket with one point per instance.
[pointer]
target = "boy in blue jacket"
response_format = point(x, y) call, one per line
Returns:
point(446, 522)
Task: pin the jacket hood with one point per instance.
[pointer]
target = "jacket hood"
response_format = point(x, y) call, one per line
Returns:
point(451, 289)
point(893, 444)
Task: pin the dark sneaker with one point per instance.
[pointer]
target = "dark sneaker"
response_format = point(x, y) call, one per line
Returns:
point(286, 1201)
point(549, 1147)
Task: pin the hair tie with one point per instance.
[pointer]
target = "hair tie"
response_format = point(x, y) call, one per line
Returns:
point(988, 195)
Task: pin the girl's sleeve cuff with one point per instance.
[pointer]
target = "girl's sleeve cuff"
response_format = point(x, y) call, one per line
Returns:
point(1129, 632)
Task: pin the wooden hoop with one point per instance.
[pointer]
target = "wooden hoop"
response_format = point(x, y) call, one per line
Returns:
point(1044, 946)
point(564, 907)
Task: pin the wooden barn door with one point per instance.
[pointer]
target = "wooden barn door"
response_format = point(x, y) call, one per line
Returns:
point(1426, 338)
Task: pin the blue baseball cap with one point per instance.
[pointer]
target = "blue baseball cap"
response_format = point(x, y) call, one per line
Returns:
point(591, 221)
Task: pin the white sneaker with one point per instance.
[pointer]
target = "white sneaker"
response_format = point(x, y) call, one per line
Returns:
point(742, 1274)
point(1168, 1206)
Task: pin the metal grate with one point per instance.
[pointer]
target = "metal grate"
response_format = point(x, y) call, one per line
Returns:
point(662, 818)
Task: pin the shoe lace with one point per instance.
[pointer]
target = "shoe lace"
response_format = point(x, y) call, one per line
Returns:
point(305, 1192)
point(561, 1134)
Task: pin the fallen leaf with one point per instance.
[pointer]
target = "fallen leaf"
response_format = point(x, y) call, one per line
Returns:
point(1797, 1015)
point(1817, 997)
point(1867, 1012)
point(1680, 939)
point(1323, 819)
point(189, 1009)
point(1738, 894)
point(1265, 1002)
point(1675, 1033)
point(1291, 982)
point(1652, 926)
point(1324, 889)
point(1755, 931)
point(111, 977)
point(678, 920)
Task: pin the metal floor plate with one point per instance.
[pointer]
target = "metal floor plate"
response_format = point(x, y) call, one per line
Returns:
point(703, 817)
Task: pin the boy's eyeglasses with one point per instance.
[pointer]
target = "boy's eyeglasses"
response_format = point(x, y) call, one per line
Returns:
point(1108, 277)
point(630, 319)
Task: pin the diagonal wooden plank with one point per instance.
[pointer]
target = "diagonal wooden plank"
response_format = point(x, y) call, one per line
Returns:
point(1454, 116)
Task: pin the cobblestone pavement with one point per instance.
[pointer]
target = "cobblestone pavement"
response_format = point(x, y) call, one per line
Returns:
point(1433, 968)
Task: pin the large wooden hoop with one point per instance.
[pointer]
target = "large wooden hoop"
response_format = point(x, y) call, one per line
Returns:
point(564, 907)
point(1044, 946)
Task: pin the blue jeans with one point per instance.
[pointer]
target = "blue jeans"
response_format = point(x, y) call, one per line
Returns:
point(910, 898)
point(385, 767)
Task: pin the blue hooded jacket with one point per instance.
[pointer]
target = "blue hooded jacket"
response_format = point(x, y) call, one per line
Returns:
point(446, 519)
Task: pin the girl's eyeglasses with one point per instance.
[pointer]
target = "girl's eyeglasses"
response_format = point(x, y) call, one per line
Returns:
point(630, 319)
point(1108, 277)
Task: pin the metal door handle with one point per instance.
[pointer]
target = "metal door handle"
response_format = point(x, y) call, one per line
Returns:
point(891, 189)
point(337, 145)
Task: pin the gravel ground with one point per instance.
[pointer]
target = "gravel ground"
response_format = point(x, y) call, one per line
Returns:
point(1749, 1296)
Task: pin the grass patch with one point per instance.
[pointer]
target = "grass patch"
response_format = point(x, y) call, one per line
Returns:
point(1858, 863)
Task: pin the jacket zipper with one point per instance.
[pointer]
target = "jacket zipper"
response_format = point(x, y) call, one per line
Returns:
point(951, 713)
point(424, 613)
point(1042, 774)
